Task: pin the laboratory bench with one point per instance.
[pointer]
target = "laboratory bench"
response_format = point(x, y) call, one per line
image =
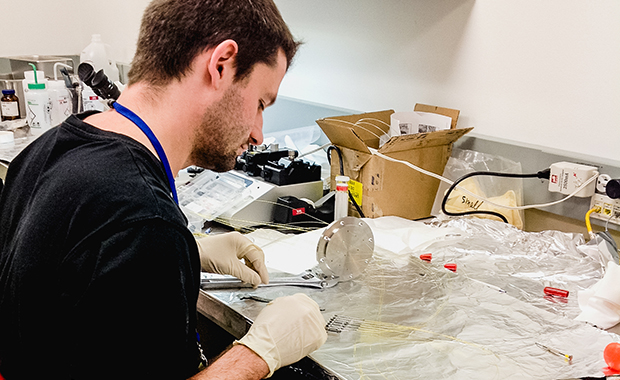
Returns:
point(406, 318)
point(416, 319)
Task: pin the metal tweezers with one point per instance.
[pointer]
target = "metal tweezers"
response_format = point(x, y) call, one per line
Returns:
point(307, 279)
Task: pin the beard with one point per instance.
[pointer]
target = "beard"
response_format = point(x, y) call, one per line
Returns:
point(221, 133)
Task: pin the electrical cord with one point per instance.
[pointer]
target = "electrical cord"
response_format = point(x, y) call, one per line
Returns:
point(313, 151)
point(588, 223)
point(544, 174)
point(329, 159)
point(441, 178)
point(477, 196)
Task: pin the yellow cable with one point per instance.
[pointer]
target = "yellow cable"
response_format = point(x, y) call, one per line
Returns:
point(588, 224)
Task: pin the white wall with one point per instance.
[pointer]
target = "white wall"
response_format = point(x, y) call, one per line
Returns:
point(530, 71)
point(65, 26)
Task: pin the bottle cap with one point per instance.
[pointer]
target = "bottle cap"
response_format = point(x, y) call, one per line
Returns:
point(450, 267)
point(8, 92)
point(36, 86)
point(426, 257)
point(342, 178)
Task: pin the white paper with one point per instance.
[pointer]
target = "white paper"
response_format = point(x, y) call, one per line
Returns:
point(291, 254)
point(406, 123)
point(295, 254)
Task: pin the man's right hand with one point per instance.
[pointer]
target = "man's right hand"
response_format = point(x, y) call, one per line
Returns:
point(222, 254)
point(286, 330)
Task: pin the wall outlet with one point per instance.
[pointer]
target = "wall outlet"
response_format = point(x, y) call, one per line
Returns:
point(608, 209)
point(566, 177)
point(601, 182)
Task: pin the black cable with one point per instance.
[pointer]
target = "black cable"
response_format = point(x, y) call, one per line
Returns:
point(329, 159)
point(543, 174)
point(357, 207)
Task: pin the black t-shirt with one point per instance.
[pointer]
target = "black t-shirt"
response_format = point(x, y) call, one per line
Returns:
point(99, 275)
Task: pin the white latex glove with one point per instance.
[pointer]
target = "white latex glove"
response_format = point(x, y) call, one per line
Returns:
point(222, 254)
point(286, 330)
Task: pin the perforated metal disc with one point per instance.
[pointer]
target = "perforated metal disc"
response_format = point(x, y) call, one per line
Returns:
point(345, 248)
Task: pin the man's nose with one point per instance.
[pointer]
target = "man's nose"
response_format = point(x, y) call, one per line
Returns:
point(256, 135)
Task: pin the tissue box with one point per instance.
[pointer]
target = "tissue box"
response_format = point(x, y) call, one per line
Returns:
point(390, 188)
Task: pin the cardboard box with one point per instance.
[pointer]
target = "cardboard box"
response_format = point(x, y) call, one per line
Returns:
point(391, 188)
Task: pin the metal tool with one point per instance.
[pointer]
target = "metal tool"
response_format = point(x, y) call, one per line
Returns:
point(555, 352)
point(308, 279)
point(343, 252)
point(256, 298)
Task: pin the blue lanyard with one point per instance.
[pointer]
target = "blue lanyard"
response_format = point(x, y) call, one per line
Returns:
point(151, 136)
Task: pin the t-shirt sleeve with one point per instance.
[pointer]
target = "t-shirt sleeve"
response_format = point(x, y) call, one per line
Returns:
point(138, 312)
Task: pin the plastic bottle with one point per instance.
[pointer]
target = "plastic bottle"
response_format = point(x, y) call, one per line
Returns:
point(38, 108)
point(61, 101)
point(9, 104)
point(29, 78)
point(90, 100)
point(341, 206)
point(97, 54)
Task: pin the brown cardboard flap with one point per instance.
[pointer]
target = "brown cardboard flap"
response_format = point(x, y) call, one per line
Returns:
point(454, 114)
point(353, 163)
point(423, 140)
point(342, 135)
point(357, 132)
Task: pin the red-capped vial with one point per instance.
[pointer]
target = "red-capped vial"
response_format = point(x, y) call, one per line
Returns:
point(341, 203)
point(426, 257)
point(549, 291)
point(451, 267)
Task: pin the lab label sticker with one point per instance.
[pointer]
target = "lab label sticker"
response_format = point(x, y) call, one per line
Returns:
point(299, 211)
point(356, 191)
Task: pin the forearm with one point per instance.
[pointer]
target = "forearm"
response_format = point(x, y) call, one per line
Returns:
point(238, 363)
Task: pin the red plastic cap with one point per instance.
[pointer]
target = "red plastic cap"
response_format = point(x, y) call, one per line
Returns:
point(451, 267)
point(426, 257)
point(555, 292)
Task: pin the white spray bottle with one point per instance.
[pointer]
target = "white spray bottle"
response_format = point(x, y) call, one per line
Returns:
point(38, 106)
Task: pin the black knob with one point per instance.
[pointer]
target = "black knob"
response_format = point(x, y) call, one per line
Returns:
point(613, 189)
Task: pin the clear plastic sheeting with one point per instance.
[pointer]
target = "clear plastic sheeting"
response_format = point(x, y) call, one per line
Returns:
point(414, 319)
point(520, 263)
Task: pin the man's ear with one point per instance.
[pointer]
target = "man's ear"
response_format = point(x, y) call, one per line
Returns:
point(221, 65)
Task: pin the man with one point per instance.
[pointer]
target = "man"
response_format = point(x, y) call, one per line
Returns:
point(98, 274)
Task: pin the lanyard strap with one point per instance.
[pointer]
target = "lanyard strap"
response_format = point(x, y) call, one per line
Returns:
point(151, 136)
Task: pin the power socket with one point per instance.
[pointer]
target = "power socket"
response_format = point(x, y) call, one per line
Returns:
point(566, 177)
point(608, 209)
point(601, 182)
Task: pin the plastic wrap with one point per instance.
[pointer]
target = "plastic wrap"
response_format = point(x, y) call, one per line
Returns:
point(421, 320)
point(501, 190)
